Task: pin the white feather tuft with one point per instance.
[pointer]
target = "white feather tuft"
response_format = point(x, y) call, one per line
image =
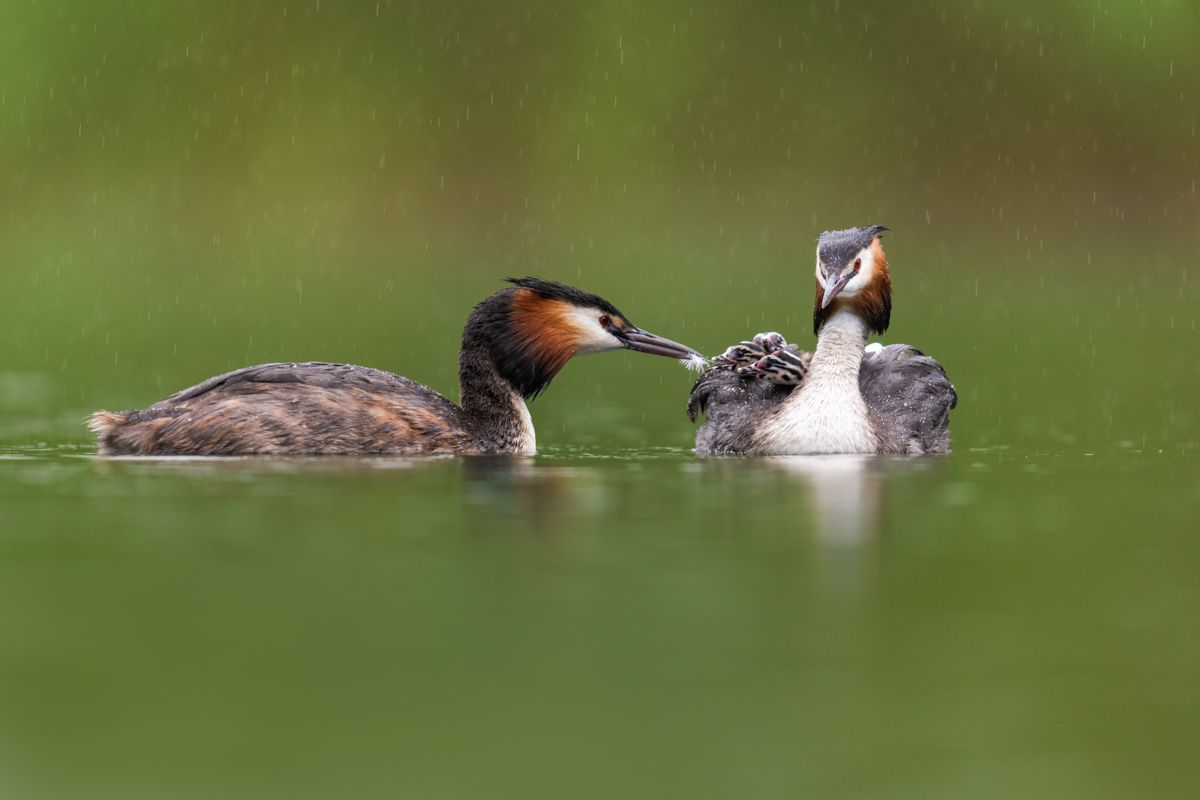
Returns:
point(695, 362)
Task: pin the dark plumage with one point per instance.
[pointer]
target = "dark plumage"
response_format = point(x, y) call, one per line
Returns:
point(910, 397)
point(838, 247)
point(553, 290)
point(513, 345)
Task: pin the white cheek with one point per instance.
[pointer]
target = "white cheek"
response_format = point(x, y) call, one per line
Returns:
point(865, 272)
point(591, 336)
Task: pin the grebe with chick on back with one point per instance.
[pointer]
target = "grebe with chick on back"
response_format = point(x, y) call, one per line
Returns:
point(766, 397)
point(513, 345)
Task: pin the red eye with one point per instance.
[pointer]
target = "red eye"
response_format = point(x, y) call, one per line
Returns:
point(857, 264)
point(604, 322)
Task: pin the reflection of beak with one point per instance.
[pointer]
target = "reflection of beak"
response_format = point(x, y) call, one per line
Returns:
point(643, 342)
point(834, 285)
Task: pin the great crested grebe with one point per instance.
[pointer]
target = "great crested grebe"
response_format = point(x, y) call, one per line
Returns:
point(766, 397)
point(513, 345)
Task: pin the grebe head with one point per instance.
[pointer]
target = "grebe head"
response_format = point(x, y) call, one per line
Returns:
point(852, 272)
point(533, 329)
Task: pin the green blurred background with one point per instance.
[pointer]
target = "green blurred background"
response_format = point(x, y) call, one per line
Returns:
point(193, 187)
point(190, 187)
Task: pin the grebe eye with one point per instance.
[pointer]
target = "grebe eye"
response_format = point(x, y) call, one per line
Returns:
point(857, 264)
point(604, 322)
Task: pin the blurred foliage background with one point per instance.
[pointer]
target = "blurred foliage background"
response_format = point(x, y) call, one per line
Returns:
point(189, 187)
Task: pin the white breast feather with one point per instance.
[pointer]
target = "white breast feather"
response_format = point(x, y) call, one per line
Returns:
point(827, 413)
point(527, 443)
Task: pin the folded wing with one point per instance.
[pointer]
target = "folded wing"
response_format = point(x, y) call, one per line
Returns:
point(311, 407)
point(910, 397)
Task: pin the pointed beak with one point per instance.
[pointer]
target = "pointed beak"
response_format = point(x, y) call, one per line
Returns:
point(833, 286)
point(645, 342)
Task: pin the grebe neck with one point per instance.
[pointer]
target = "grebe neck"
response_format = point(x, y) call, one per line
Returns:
point(839, 353)
point(827, 413)
point(495, 411)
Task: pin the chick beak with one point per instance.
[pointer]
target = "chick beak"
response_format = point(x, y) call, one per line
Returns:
point(645, 342)
point(833, 285)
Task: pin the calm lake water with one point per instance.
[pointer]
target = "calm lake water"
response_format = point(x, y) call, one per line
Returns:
point(588, 623)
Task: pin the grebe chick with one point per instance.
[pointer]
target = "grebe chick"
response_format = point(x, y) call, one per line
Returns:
point(513, 345)
point(765, 397)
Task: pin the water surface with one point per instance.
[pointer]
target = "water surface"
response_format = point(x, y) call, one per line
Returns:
point(591, 623)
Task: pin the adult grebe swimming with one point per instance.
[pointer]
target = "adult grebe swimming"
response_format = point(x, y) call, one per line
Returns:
point(765, 397)
point(513, 345)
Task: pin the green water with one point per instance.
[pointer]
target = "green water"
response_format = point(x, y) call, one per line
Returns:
point(188, 188)
point(634, 623)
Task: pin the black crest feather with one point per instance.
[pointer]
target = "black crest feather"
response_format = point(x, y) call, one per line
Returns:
point(836, 248)
point(561, 291)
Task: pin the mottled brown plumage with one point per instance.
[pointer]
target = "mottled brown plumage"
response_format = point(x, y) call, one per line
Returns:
point(513, 344)
point(314, 408)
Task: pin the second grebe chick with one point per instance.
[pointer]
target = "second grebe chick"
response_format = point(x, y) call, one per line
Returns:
point(765, 397)
point(513, 345)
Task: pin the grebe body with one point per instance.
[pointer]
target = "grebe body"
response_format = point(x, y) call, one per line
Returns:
point(513, 345)
point(766, 397)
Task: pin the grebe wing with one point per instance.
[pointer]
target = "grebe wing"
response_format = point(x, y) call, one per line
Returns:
point(908, 392)
point(292, 408)
point(309, 373)
point(734, 405)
